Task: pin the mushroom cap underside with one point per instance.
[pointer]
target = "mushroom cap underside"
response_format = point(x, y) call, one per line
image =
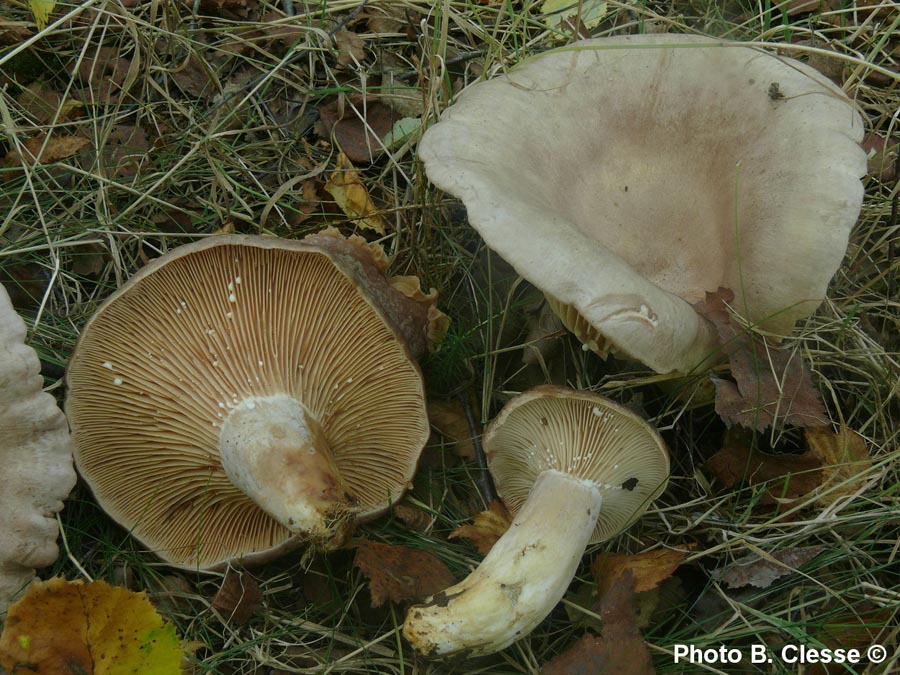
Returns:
point(582, 434)
point(167, 357)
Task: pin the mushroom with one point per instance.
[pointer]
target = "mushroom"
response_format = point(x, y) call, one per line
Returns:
point(36, 457)
point(241, 395)
point(627, 176)
point(574, 468)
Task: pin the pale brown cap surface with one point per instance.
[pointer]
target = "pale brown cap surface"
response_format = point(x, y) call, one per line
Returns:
point(196, 332)
point(584, 435)
point(627, 176)
point(35, 456)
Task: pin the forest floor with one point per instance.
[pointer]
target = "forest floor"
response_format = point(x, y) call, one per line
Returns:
point(132, 127)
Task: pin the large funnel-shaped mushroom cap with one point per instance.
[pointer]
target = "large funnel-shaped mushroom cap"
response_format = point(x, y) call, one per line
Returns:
point(35, 456)
point(583, 435)
point(198, 375)
point(627, 176)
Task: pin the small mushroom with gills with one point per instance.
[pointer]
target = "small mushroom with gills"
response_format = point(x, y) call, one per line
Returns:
point(242, 395)
point(574, 468)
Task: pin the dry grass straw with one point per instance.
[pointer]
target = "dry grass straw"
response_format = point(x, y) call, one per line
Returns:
point(225, 107)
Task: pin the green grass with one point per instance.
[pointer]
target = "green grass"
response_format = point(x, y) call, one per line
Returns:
point(221, 149)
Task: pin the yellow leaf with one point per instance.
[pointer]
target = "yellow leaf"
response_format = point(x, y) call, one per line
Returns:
point(41, 10)
point(649, 568)
point(590, 12)
point(844, 457)
point(348, 191)
point(486, 528)
point(62, 628)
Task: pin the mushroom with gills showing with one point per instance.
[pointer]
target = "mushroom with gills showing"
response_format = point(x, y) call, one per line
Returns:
point(574, 468)
point(241, 395)
point(627, 176)
point(36, 456)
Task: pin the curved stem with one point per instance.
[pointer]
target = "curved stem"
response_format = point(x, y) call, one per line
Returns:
point(520, 580)
point(275, 452)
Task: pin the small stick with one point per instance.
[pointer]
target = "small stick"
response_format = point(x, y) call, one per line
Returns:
point(485, 483)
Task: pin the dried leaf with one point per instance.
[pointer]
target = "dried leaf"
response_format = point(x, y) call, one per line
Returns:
point(44, 150)
point(792, 476)
point(844, 457)
point(348, 191)
point(124, 149)
point(619, 649)
point(769, 384)
point(238, 597)
point(13, 32)
point(752, 570)
point(400, 573)
point(413, 518)
point(449, 418)
point(107, 74)
point(882, 156)
point(351, 47)
point(649, 569)
point(68, 628)
point(358, 129)
point(486, 528)
point(44, 103)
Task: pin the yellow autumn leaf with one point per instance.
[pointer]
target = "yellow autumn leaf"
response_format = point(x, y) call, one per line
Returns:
point(486, 528)
point(41, 10)
point(63, 628)
point(351, 196)
point(589, 12)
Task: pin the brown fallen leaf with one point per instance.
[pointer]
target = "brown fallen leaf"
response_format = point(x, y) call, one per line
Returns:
point(63, 628)
point(45, 150)
point(753, 570)
point(857, 627)
point(351, 196)
point(770, 385)
point(450, 421)
point(648, 569)
point(351, 47)
point(882, 156)
point(358, 129)
point(486, 528)
point(844, 456)
point(238, 597)
point(107, 74)
point(400, 573)
point(789, 476)
point(413, 518)
point(618, 650)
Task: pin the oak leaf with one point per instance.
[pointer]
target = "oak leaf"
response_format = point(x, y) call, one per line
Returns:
point(486, 528)
point(754, 570)
point(770, 385)
point(359, 130)
point(238, 597)
point(618, 649)
point(72, 628)
point(649, 569)
point(400, 573)
point(790, 476)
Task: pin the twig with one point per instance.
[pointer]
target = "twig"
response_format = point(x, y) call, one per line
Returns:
point(485, 483)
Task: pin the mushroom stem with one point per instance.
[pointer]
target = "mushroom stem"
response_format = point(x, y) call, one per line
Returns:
point(520, 580)
point(274, 450)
